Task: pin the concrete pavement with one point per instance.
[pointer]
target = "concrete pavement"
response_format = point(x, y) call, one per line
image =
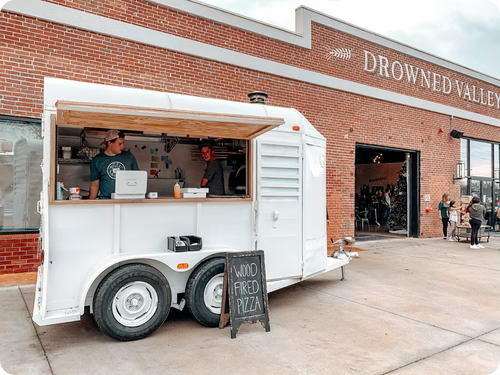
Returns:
point(408, 307)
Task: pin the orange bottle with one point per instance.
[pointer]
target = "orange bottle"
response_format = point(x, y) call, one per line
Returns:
point(177, 190)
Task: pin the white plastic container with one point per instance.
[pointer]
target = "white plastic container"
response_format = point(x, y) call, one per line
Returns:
point(195, 190)
point(193, 195)
point(74, 193)
point(66, 152)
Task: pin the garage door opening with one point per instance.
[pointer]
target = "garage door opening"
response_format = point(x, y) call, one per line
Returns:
point(386, 203)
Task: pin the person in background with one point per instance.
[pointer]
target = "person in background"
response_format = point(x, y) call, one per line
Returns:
point(363, 202)
point(476, 211)
point(356, 200)
point(387, 203)
point(444, 207)
point(105, 165)
point(379, 206)
point(498, 215)
point(453, 221)
point(213, 178)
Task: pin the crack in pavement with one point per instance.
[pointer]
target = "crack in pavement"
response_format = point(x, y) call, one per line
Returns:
point(36, 332)
point(441, 351)
point(488, 342)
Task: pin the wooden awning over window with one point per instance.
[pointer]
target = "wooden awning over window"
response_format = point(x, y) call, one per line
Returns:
point(171, 122)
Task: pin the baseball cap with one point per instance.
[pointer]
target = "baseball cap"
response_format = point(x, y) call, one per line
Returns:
point(110, 135)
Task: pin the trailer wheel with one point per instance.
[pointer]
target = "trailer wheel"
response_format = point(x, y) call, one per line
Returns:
point(204, 292)
point(132, 302)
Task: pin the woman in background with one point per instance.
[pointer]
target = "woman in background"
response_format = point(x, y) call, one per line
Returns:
point(453, 221)
point(476, 211)
point(444, 208)
point(386, 202)
point(498, 215)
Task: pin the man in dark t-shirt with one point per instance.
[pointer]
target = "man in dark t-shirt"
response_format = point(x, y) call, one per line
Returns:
point(105, 165)
point(213, 178)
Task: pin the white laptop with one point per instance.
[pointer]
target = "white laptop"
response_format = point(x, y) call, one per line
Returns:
point(130, 185)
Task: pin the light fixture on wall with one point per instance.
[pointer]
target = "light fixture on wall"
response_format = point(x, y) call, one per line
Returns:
point(460, 172)
point(456, 134)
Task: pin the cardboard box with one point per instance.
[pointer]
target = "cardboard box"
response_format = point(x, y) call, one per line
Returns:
point(466, 199)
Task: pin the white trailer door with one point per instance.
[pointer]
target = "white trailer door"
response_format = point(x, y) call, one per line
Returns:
point(315, 243)
point(279, 206)
point(40, 306)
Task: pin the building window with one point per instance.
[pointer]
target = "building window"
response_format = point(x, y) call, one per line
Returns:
point(480, 159)
point(464, 158)
point(20, 176)
point(464, 184)
point(496, 161)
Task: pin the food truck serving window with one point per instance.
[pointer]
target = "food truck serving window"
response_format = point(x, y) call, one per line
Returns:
point(184, 153)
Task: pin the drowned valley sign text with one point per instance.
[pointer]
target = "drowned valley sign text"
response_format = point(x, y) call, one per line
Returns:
point(414, 75)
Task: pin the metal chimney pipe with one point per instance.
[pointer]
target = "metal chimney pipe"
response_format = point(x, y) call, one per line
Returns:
point(258, 97)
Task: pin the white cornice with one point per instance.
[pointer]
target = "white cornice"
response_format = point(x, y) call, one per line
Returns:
point(102, 25)
point(302, 37)
point(227, 17)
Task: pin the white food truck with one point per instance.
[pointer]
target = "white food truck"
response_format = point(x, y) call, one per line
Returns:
point(111, 256)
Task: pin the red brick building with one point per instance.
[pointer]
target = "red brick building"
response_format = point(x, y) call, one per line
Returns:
point(360, 90)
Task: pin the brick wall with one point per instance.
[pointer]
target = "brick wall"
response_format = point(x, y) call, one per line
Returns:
point(145, 14)
point(18, 253)
point(33, 49)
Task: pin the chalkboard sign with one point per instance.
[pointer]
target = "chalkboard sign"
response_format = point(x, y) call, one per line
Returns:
point(245, 291)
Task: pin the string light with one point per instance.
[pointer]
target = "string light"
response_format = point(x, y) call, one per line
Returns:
point(377, 158)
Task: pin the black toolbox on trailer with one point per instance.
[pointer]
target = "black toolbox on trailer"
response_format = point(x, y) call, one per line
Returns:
point(185, 243)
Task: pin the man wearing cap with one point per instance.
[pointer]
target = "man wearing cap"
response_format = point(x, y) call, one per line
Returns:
point(104, 166)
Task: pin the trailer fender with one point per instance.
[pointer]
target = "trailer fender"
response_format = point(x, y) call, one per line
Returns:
point(165, 263)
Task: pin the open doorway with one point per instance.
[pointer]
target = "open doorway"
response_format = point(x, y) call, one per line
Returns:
point(386, 193)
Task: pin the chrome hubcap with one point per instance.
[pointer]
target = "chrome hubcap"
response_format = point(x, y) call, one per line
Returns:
point(213, 293)
point(135, 304)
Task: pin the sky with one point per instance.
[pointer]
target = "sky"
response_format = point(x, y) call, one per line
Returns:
point(466, 32)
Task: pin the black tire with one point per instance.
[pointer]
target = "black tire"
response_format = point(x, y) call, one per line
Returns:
point(112, 284)
point(195, 290)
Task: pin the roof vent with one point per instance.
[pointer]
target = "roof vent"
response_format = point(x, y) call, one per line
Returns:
point(258, 97)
